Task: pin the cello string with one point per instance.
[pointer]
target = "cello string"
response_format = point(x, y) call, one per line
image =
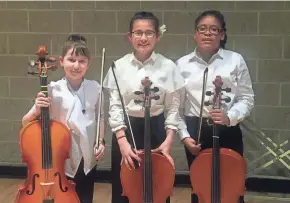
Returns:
point(47, 132)
point(47, 135)
point(42, 125)
point(148, 154)
point(47, 147)
point(44, 150)
point(44, 137)
point(216, 150)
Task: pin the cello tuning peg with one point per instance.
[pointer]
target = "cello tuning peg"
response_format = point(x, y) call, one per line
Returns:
point(32, 63)
point(207, 103)
point(138, 92)
point(31, 71)
point(51, 59)
point(208, 93)
point(156, 97)
point(227, 89)
point(227, 99)
point(138, 101)
point(155, 89)
point(52, 67)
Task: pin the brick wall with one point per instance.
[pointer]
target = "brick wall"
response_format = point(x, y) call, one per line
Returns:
point(258, 30)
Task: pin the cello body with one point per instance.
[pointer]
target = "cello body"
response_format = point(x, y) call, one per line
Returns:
point(217, 174)
point(163, 176)
point(61, 189)
point(153, 180)
point(45, 145)
point(233, 170)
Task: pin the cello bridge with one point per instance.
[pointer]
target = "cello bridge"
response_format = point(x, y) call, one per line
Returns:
point(48, 201)
point(46, 184)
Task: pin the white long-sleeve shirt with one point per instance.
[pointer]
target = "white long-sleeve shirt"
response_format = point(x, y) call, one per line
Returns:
point(129, 72)
point(234, 72)
point(66, 107)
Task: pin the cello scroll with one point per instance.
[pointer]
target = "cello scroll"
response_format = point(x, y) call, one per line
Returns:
point(146, 83)
point(217, 96)
point(48, 63)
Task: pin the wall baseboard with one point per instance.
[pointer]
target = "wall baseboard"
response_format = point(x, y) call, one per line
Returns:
point(253, 184)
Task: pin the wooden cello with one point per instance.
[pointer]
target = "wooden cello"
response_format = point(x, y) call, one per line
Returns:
point(153, 180)
point(218, 175)
point(45, 145)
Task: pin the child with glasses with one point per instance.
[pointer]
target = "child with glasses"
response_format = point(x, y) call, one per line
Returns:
point(143, 35)
point(210, 37)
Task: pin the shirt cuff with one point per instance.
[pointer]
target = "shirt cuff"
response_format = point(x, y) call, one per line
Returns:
point(183, 134)
point(232, 117)
point(114, 130)
point(170, 127)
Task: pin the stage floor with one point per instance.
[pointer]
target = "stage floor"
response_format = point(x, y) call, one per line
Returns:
point(8, 188)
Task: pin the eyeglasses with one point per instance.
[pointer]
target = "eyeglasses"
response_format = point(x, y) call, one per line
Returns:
point(139, 33)
point(212, 29)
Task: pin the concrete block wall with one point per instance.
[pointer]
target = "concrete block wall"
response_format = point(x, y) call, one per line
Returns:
point(258, 30)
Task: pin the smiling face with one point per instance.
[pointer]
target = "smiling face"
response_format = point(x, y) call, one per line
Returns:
point(75, 65)
point(208, 34)
point(143, 37)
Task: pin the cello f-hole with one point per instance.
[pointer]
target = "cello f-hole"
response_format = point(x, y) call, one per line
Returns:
point(33, 185)
point(60, 183)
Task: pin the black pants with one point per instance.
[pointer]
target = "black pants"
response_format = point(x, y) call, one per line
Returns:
point(158, 135)
point(84, 183)
point(230, 137)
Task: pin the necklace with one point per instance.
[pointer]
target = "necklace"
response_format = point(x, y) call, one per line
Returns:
point(78, 94)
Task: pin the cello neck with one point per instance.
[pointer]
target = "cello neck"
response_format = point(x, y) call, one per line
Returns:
point(147, 188)
point(216, 102)
point(43, 67)
point(45, 122)
point(147, 170)
point(215, 190)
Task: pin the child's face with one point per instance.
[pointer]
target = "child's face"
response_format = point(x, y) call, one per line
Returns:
point(75, 67)
point(209, 34)
point(143, 37)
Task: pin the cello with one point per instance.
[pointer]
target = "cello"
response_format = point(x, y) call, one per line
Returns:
point(45, 145)
point(153, 180)
point(218, 175)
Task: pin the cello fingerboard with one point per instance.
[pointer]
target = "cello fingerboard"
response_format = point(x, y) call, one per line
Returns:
point(45, 126)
